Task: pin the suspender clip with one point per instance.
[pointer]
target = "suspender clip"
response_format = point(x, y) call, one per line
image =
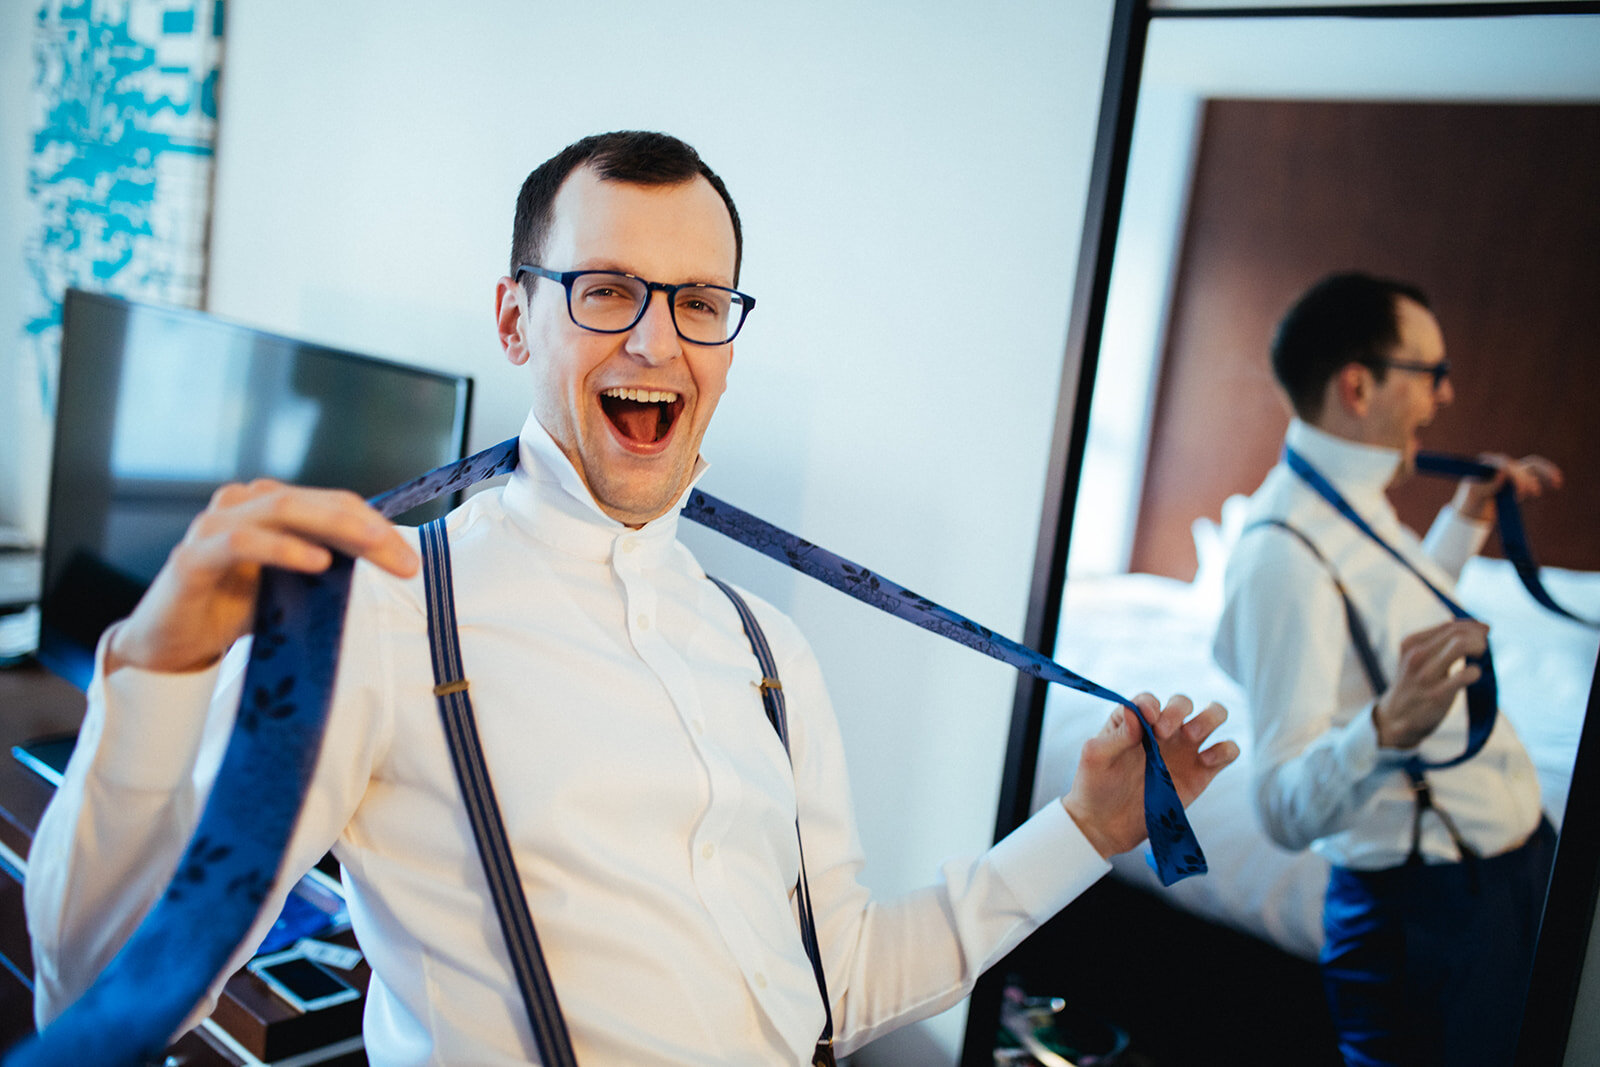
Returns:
point(444, 689)
point(768, 683)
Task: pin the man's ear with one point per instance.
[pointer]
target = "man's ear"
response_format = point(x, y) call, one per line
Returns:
point(508, 315)
point(1352, 389)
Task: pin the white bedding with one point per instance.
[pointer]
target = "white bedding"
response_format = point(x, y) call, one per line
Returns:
point(1139, 631)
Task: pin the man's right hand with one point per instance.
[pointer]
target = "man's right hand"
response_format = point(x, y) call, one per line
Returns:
point(204, 597)
point(1414, 705)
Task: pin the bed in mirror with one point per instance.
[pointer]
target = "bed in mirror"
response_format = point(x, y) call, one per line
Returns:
point(1243, 156)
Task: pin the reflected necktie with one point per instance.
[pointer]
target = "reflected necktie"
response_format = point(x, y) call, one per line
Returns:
point(1508, 521)
point(1482, 695)
point(137, 1004)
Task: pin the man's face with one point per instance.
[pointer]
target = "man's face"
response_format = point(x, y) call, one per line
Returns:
point(628, 409)
point(1406, 400)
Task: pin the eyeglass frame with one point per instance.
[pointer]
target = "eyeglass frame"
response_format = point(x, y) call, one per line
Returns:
point(1439, 370)
point(567, 277)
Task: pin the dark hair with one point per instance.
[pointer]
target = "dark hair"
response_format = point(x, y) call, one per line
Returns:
point(1345, 318)
point(640, 157)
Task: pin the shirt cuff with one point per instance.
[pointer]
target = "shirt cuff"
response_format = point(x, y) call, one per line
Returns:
point(1047, 862)
point(150, 723)
point(1359, 750)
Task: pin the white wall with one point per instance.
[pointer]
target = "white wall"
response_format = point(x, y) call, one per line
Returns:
point(912, 178)
point(23, 446)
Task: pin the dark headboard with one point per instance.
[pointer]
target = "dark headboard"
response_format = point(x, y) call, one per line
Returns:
point(1493, 209)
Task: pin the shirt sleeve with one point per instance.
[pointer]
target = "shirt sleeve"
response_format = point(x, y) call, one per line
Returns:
point(1453, 539)
point(147, 755)
point(890, 962)
point(1283, 636)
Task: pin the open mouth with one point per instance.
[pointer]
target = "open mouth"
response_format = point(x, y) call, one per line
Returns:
point(643, 416)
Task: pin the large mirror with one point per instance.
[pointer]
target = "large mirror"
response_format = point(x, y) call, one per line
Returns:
point(1457, 149)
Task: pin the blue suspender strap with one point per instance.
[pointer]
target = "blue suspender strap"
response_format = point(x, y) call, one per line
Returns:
point(233, 859)
point(777, 714)
point(466, 753)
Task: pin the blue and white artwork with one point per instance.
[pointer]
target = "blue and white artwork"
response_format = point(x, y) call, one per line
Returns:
point(125, 115)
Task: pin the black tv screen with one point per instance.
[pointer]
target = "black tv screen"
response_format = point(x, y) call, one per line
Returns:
point(159, 406)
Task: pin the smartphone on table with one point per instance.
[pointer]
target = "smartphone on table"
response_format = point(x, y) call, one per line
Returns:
point(302, 982)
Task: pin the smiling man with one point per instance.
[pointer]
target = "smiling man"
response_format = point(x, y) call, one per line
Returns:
point(624, 384)
point(651, 808)
point(1438, 877)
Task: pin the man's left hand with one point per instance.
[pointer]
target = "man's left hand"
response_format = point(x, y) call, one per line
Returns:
point(1529, 476)
point(1107, 795)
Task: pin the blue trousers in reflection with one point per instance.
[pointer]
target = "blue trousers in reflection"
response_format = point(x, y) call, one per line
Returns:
point(1426, 965)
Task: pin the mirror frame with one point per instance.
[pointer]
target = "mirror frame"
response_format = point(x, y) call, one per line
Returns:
point(1570, 901)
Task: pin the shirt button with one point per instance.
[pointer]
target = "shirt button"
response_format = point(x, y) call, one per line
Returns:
point(699, 727)
point(708, 850)
point(629, 545)
point(760, 980)
point(643, 622)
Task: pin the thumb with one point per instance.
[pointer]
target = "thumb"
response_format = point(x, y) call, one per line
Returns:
point(1122, 728)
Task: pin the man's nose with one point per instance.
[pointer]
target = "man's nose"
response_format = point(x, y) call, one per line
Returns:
point(654, 338)
point(1445, 394)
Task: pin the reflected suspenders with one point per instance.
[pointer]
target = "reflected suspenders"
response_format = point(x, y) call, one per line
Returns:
point(1368, 658)
point(455, 709)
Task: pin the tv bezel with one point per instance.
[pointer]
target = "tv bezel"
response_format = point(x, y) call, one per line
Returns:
point(68, 658)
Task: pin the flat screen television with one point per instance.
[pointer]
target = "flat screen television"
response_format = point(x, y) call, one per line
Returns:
point(159, 406)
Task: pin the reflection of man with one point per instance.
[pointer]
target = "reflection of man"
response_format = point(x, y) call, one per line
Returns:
point(1431, 910)
point(650, 805)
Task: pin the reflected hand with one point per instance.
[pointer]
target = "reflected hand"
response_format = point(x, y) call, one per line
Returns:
point(1431, 674)
point(203, 598)
point(1107, 795)
point(1529, 476)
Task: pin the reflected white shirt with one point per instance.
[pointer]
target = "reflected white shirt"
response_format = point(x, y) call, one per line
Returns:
point(1320, 778)
point(648, 801)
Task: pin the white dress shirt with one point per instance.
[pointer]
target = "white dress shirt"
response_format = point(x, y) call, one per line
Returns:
point(1320, 778)
point(647, 799)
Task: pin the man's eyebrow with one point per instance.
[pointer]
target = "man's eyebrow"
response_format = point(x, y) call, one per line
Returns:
point(618, 267)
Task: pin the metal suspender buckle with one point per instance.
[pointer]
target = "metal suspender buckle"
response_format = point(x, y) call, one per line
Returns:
point(823, 1056)
point(1420, 790)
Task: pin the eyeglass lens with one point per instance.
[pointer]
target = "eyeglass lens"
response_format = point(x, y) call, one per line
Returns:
point(707, 314)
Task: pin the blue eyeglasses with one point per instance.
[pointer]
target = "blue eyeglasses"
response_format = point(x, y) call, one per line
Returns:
point(608, 301)
point(1439, 370)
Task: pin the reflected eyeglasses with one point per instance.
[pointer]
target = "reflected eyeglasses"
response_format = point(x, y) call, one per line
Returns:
point(1439, 370)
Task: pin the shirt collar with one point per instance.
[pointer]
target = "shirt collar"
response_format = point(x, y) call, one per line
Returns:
point(1356, 469)
point(547, 497)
